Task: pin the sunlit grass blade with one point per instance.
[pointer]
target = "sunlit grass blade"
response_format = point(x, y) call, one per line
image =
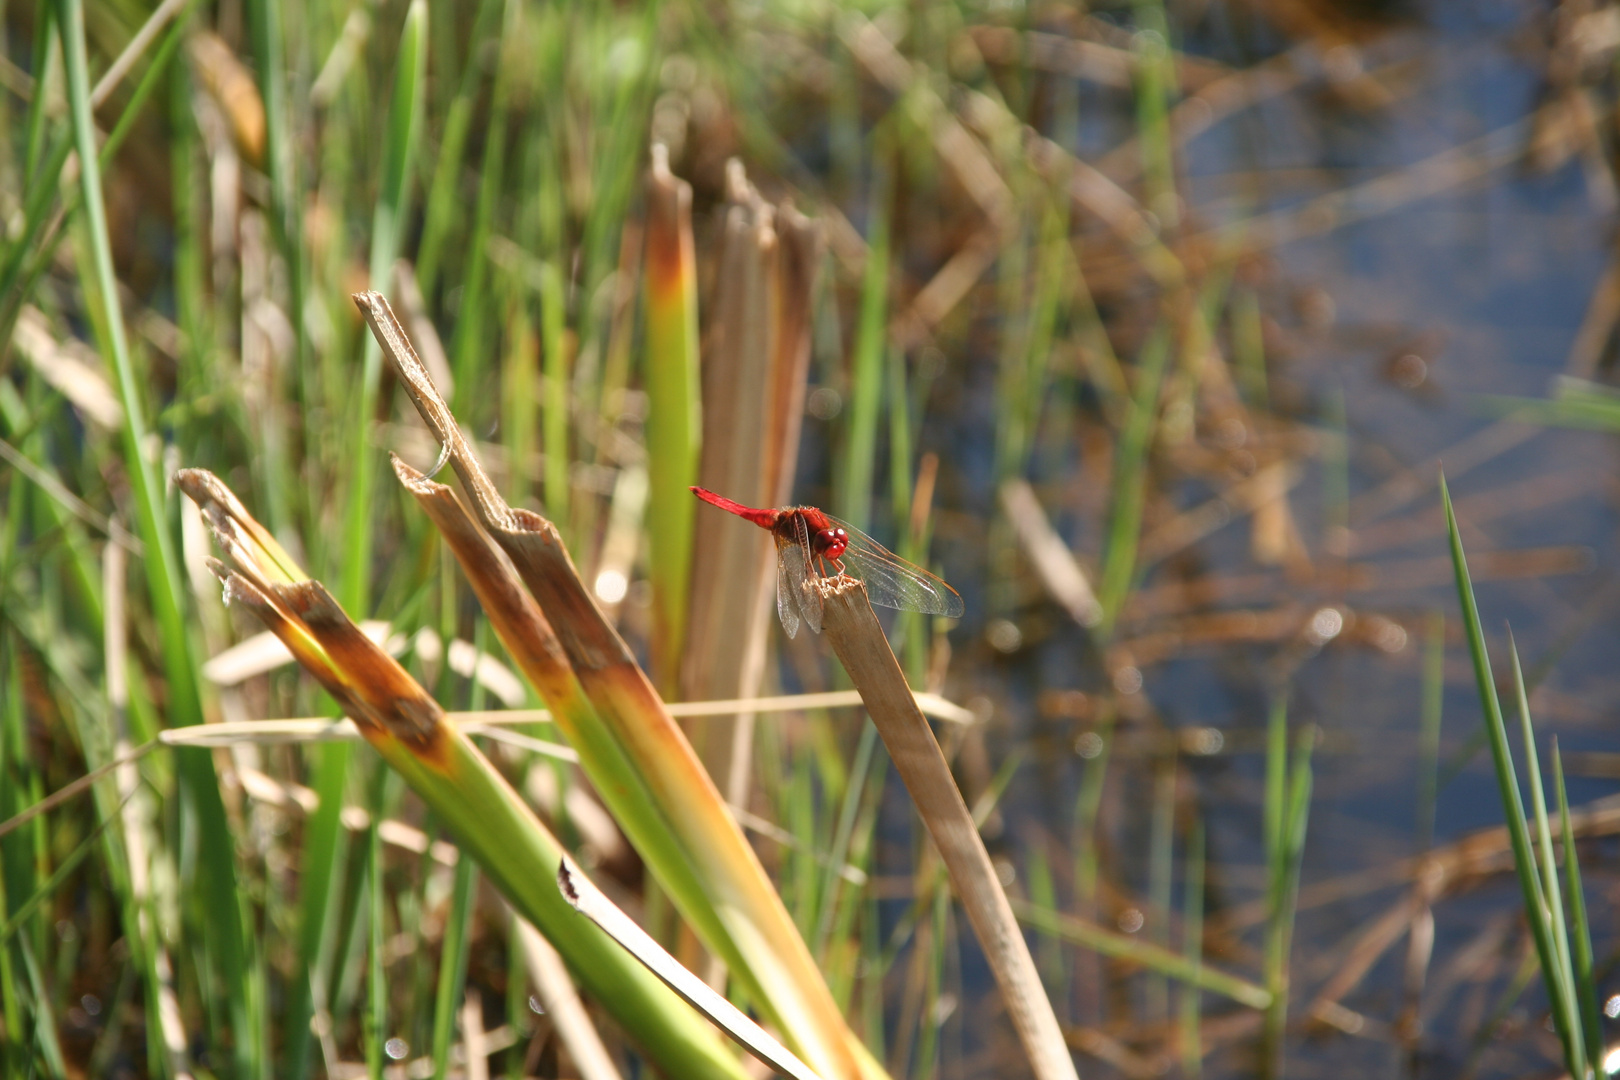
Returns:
point(405, 726)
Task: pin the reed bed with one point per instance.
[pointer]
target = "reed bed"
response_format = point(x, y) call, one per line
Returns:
point(1147, 326)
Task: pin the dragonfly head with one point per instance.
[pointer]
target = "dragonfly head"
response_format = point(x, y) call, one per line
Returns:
point(830, 543)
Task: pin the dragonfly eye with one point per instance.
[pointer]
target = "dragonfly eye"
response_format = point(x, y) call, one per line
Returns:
point(832, 542)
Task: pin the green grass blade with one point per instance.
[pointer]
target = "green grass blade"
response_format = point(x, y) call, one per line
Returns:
point(1161, 844)
point(46, 56)
point(1087, 809)
point(63, 870)
point(443, 205)
point(374, 1026)
point(1152, 957)
point(1565, 1000)
point(219, 900)
point(1192, 947)
point(471, 319)
point(29, 256)
point(453, 965)
point(1249, 347)
point(866, 374)
point(1507, 781)
point(1279, 914)
point(832, 873)
point(387, 233)
point(1580, 927)
point(287, 216)
point(1276, 787)
point(1130, 479)
point(1155, 77)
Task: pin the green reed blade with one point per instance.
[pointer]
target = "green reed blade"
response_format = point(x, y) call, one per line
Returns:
point(1580, 937)
point(1192, 947)
point(452, 964)
point(1161, 868)
point(1130, 479)
point(1249, 347)
point(287, 209)
point(401, 135)
point(866, 363)
point(29, 256)
point(469, 346)
point(1524, 861)
point(374, 1023)
point(1155, 77)
point(216, 864)
point(443, 204)
point(1565, 1001)
point(832, 875)
point(1099, 939)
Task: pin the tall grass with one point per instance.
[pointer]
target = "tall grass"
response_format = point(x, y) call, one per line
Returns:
point(1558, 926)
point(989, 307)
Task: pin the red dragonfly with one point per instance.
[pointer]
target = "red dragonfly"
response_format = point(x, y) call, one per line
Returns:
point(810, 541)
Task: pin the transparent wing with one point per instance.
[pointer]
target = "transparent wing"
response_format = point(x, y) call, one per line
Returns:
point(892, 582)
point(787, 609)
point(796, 595)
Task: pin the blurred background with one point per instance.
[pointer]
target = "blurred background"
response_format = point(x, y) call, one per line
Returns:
point(1149, 327)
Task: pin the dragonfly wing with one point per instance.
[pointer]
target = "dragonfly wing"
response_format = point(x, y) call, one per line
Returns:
point(796, 577)
point(892, 582)
point(787, 608)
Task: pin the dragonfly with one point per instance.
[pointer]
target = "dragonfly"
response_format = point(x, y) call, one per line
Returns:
point(811, 544)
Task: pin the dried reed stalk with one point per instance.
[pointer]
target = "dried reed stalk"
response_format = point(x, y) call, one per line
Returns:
point(857, 639)
point(755, 364)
